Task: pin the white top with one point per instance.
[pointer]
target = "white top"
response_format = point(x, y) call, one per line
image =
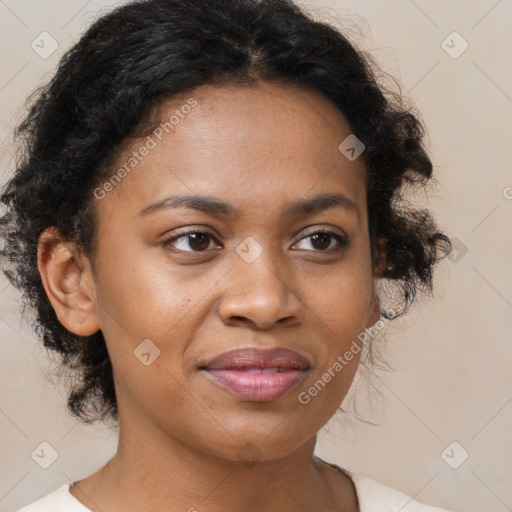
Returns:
point(372, 495)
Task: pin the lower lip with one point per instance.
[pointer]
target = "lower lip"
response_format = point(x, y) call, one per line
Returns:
point(258, 387)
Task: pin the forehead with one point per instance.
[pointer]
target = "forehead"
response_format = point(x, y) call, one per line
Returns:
point(255, 146)
point(284, 118)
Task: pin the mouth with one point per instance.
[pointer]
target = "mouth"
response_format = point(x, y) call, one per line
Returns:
point(258, 375)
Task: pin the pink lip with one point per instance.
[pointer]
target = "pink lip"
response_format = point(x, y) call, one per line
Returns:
point(241, 372)
point(258, 387)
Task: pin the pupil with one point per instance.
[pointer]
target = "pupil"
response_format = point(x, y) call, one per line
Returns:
point(323, 237)
point(199, 239)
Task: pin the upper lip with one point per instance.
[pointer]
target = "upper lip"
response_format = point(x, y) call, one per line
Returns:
point(281, 358)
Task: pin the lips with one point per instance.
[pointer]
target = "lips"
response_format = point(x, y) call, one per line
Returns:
point(258, 375)
point(256, 358)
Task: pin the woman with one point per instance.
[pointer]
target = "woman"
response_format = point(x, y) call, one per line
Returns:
point(204, 207)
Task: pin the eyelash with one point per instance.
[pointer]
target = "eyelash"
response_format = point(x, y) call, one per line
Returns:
point(342, 240)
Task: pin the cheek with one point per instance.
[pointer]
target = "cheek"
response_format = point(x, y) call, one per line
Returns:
point(141, 297)
point(341, 298)
point(341, 307)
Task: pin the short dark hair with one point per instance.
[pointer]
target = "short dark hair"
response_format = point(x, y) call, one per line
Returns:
point(146, 51)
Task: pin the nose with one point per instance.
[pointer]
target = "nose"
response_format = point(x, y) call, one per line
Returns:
point(260, 296)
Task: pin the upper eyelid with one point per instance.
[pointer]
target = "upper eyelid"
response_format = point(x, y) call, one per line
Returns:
point(311, 228)
point(320, 229)
point(298, 238)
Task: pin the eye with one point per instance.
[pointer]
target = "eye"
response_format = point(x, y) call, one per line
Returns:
point(196, 241)
point(322, 239)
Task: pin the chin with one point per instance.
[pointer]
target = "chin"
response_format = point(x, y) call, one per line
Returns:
point(251, 446)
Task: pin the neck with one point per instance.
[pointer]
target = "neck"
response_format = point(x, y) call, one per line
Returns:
point(152, 471)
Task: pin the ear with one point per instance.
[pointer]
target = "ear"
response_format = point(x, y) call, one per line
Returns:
point(380, 266)
point(69, 283)
point(380, 263)
point(375, 311)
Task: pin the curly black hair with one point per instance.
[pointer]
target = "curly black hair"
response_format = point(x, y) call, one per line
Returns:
point(146, 51)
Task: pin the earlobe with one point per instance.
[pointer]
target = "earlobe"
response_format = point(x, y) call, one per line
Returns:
point(375, 311)
point(68, 282)
point(381, 265)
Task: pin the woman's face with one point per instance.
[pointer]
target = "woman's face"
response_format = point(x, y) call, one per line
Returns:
point(252, 275)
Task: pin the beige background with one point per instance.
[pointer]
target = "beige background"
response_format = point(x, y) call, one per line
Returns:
point(452, 355)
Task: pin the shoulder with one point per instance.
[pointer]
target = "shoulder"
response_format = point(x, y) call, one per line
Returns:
point(60, 500)
point(376, 497)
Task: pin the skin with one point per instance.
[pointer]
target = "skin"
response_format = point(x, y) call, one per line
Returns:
point(257, 148)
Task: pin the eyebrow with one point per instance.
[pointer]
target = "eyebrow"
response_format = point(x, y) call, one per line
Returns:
point(215, 206)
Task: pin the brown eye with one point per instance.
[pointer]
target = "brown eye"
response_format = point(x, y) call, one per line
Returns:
point(194, 241)
point(322, 241)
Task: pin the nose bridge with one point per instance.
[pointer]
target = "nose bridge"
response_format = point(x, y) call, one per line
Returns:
point(259, 290)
